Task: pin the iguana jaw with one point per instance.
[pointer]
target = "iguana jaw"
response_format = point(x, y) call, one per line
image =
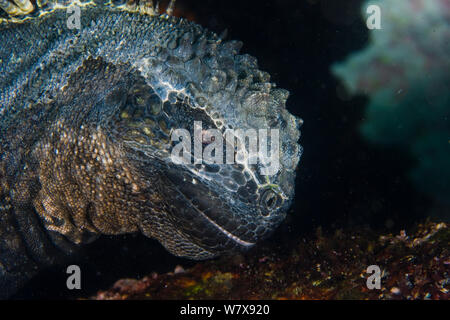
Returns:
point(213, 218)
point(235, 238)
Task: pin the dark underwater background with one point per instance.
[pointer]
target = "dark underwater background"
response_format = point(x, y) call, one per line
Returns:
point(345, 179)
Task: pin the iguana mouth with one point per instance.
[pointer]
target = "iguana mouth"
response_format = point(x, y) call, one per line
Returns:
point(230, 235)
point(206, 217)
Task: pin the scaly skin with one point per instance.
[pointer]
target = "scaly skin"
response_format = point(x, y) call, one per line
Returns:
point(86, 118)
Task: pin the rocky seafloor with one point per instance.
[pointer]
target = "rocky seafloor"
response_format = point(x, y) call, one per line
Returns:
point(414, 265)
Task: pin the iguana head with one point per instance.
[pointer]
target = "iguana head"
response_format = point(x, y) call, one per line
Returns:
point(206, 205)
point(237, 197)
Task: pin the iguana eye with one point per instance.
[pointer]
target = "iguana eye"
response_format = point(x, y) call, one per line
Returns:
point(270, 200)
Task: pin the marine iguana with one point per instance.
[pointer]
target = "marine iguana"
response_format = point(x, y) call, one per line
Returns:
point(86, 117)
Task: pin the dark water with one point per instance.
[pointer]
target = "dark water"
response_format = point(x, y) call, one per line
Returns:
point(343, 180)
